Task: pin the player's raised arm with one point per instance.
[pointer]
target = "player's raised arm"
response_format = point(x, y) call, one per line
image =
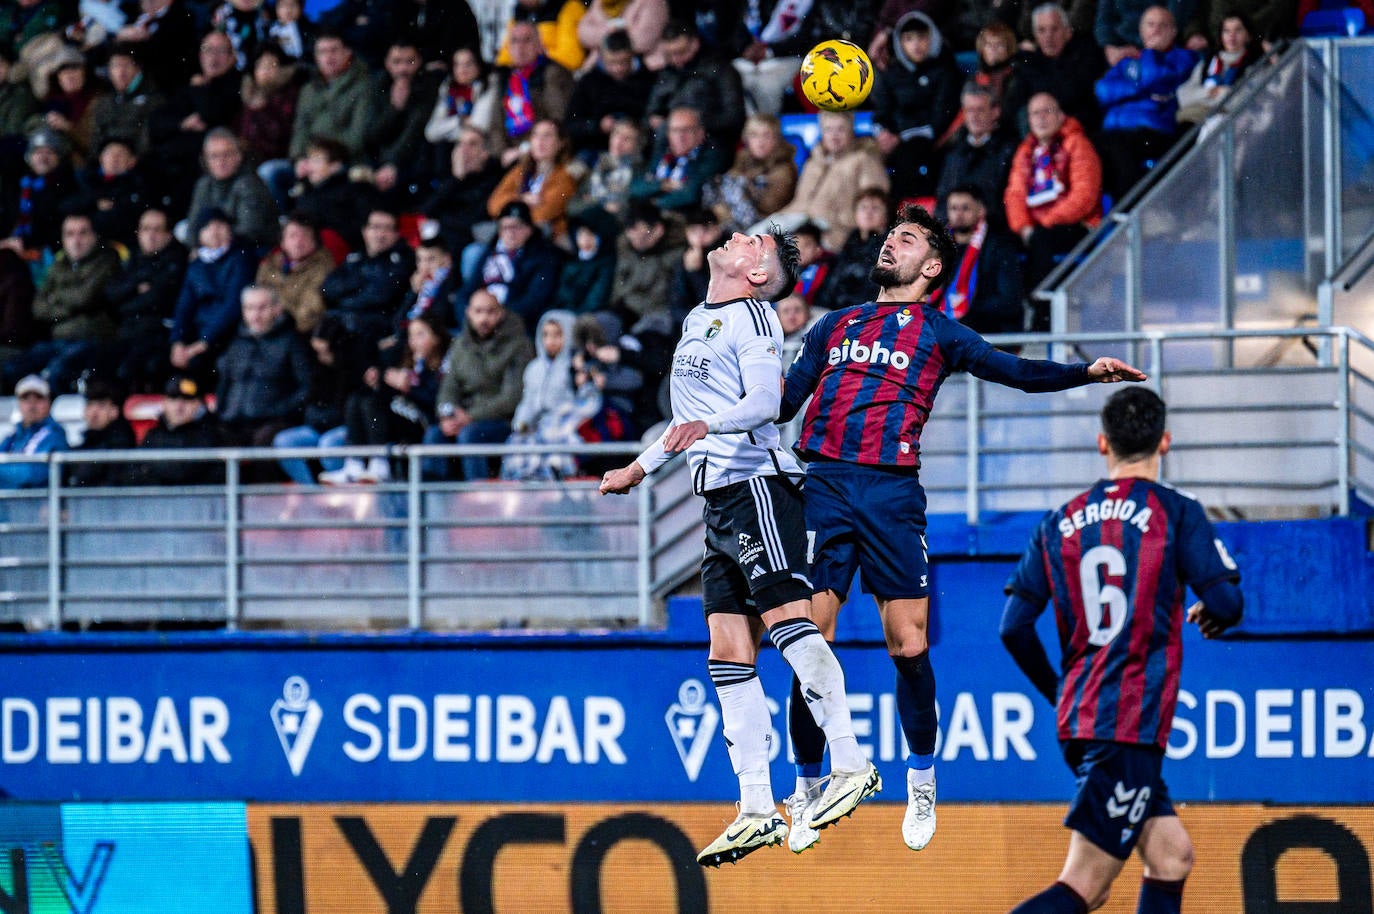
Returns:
point(1034, 375)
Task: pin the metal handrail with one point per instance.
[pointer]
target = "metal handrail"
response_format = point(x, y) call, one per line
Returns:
point(160, 455)
point(1186, 146)
point(657, 553)
point(1360, 261)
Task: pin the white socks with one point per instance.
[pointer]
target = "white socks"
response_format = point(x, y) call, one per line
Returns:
point(822, 684)
point(748, 729)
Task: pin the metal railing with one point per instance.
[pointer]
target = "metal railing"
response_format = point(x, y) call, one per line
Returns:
point(406, 554)
point(1248, 213)
point(1293, 435)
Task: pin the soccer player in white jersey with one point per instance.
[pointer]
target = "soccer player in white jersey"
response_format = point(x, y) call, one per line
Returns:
point(726, 390)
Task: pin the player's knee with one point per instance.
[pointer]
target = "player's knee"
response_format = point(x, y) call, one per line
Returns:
point(1169, 856)
point(1177, 862)
point(1099, 898)
point(908, 643)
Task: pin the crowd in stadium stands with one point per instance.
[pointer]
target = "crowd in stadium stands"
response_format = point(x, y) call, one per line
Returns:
point(405, 221)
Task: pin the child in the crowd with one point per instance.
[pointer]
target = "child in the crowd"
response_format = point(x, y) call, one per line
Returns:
point(395, 405)
point(291, 31)
point(608, 185)
point(556, 400)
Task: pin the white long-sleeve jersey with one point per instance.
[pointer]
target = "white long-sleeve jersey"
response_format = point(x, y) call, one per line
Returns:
point(727, 372)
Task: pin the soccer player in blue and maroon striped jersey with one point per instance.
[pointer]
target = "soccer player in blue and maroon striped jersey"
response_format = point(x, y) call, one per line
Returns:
point(875, 369)
point(1115, 562)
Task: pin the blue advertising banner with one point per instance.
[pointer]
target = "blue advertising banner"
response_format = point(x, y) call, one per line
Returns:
point(1281, 721)
point(154, 858)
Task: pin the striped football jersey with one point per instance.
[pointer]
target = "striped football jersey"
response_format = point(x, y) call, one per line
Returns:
point(1115, 562)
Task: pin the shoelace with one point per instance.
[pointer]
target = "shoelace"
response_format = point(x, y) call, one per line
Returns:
point(925, 803)
point(796, 804)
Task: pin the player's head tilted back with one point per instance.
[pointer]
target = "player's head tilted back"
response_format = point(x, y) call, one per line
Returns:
point(1133, 425)
point(918, 251)
point(783, 265)
point(757, 266)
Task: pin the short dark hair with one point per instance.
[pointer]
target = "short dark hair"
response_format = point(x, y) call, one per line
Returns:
point(645, 211)
point(945, 248)
point(81, 213)
point(333, 150)
point(969, 190)
point(918, 24)
point(97, 387)
point(332, 34)
point(306, 221)
point(1133, 421)
point(789, 259)
point(124, 49)
point(160, 210)
point(436, 243)
point(275, 52)
point(680, 28)
point(1246, 22)
point(127, 142)
point(874, 193)
point(617, 41)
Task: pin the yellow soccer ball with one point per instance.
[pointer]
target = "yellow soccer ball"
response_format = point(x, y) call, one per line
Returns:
point(837, 75)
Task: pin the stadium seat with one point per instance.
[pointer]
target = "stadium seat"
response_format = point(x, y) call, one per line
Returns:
point(143, 411)
point(9, 415)
point(408, 224)
point(804, 131)
point(70, 412)
point(335, 244)
point(1345, 21)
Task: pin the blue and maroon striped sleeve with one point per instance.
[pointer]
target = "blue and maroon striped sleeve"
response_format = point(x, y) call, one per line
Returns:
point(805, 371)
point(967, 351)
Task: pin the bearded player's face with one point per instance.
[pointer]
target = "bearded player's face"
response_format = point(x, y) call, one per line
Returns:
point(904, 252)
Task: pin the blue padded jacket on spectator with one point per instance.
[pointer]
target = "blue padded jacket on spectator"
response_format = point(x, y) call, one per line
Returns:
point(208, 307)
point(1138, 93)
point(45, 437)
point(530, 292)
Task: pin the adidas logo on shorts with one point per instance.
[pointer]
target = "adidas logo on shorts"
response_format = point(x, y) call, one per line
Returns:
point(757, 572)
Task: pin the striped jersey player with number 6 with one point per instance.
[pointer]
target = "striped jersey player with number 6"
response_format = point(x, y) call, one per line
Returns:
point(1115, 561)
point(875, 369)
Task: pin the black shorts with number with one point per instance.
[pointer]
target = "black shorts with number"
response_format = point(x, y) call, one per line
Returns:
point(1119, 786)
point(755, 547)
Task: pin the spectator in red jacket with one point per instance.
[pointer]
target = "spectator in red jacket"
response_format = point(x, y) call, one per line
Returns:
point(1054, 194)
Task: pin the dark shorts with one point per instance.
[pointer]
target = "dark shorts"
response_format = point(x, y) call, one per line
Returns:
point(755, 547)
point(1119, 787)
point(868, 519)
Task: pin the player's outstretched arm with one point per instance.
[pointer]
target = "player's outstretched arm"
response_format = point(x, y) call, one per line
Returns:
point(1107, 370)
point(1043, 376)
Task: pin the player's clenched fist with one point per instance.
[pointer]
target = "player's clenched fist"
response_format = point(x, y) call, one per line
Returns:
point(618, 482)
